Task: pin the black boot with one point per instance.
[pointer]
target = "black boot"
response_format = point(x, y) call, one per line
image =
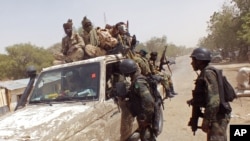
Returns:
point(172, 90)
point(168, 94)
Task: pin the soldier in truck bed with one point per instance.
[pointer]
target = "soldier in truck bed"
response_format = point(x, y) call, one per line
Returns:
point(166, 79)
point(91, 39)
point(72, 45)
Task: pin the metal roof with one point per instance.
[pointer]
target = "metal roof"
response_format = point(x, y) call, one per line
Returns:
point(14, 84)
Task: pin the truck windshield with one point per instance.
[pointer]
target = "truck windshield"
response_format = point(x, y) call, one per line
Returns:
point(71, 83)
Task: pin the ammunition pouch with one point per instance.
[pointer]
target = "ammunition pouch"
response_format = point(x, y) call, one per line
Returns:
point(198, 93)
point(121, 90)
point(225, 108)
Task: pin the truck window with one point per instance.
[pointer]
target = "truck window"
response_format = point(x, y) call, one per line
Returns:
point(79, 82)
point(112, 76)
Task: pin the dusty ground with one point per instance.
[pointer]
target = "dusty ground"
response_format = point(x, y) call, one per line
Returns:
point(177, 112)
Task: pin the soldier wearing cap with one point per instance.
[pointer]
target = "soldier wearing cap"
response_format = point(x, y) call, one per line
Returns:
point(91, 39)
point(72, 45)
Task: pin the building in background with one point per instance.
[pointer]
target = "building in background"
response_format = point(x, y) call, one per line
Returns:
point(10, 93)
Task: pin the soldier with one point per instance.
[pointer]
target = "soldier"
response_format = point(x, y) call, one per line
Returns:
point(143, 64)
point(141, 101)
point(166, 81)
point(72, 45)
point(126, 43)
point(143, 54)
point(91, 39)
point(206, 95)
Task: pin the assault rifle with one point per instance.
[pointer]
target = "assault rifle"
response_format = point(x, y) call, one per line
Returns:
point(196, 113)
point(163, 58)
point(164, 61)
point(193, 122)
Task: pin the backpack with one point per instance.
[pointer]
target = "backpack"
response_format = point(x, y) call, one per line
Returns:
point(107, 42)
point(226, 91)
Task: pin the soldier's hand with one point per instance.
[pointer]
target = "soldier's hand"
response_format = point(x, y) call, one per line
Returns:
point(71, 49)
point(133, 42)
point(205, 125)
point(189, 102)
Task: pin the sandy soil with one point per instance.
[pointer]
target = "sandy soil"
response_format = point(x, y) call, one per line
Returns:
point(177, 112)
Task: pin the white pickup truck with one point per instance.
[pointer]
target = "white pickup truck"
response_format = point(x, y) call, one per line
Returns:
point(69, 102)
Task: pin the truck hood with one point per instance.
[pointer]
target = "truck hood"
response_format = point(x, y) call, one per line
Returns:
point(38, 122)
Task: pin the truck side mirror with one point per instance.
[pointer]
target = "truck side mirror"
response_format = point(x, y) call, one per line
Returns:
point(31, 71)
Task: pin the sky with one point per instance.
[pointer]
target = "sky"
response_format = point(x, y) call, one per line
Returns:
point(40, 22)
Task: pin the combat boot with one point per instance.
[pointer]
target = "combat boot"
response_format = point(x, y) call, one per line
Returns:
point(168, 94)
point(172, 90)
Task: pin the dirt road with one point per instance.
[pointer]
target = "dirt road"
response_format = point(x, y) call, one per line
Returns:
point(177, 112)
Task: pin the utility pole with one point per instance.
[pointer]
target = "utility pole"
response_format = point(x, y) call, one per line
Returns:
point(105, 20)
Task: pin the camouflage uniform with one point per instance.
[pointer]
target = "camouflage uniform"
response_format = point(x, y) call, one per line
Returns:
point(74, 41)
point(166, 79)
point(72, 46)
point(141, 102)
point(91, 40)
point(143, 65)
point(142, 105)
point(216, 119)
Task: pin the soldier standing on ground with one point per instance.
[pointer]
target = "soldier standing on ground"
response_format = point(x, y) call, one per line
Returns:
point(72, 45)
point(140, 99)
point(166, 81)
point(206, 95)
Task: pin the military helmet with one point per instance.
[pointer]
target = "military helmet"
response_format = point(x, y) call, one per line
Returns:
point(128, 66)
point(201, 54)
point(143, 52)
point(154, 53)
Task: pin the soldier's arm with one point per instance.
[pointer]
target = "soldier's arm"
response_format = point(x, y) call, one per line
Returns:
point(212, 97)
point(64, 48)
point(80, 43)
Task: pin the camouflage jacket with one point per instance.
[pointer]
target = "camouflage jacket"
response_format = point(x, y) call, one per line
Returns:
point(153, 68)
point(91, 37)
point(143, 65)
point(207, 94)
point(142, 102)
point(68, 42)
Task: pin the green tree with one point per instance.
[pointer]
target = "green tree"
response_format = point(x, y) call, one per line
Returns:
point(244, 33)
point(20, 56)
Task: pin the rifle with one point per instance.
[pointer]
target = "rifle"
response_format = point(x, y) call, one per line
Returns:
point(193, 122)
point(163, 60)
point(163, 57)
point(196, 113)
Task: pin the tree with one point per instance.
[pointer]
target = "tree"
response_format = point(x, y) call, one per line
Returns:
point(244, 33)
point(20, 56)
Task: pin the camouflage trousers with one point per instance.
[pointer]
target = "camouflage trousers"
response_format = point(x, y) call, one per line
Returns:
point(166, 81)
point(218, 130)
point(93, 51)
point(76, 55)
